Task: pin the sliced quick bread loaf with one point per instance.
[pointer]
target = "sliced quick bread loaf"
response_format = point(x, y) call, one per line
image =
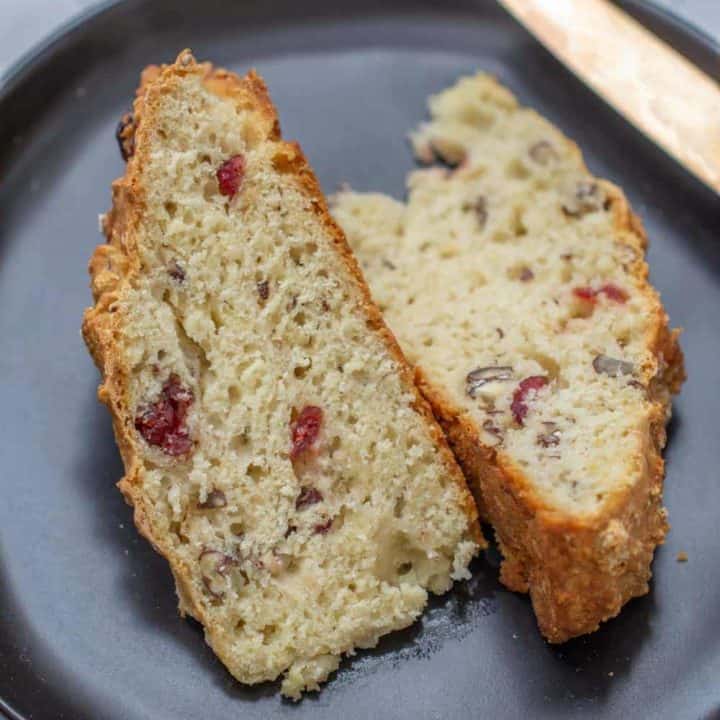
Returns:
point(516, 284)
point(276, 450)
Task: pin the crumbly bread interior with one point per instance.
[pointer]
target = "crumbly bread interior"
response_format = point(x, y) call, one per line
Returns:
point(516, 283)
point(511, 265)
point(250, 305)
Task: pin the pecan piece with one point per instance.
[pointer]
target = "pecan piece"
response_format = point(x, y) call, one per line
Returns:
point(215, 566)
point(176, 272)
point(491, 429)
point(543, 152)
point(612, 366)
point(230, 175)
point(263, 289)
point(527, 387)
point(305, 429)
point(587, 197)
point(480, 376)
point(479, 207)
point(526, 274)
point(215, 499)
point(551, 437)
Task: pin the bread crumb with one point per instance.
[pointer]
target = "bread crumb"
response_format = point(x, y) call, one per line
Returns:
point(682, 556)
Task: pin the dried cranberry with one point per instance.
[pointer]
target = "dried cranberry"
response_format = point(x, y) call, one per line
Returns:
point(308, 496)
point(323, 528)
point(162, 423)
point(610, 290)
point(230, 175)
point(305, 430)
point(529, 385)
point(613, 292)
point(585, 293)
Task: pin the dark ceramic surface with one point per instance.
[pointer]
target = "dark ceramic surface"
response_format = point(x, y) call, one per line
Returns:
point(88, 625)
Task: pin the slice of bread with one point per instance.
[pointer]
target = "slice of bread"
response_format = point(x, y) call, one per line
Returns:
point(276, 450)
point(517, 286)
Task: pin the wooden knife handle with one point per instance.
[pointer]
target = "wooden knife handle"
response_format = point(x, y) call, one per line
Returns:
point(652, 85)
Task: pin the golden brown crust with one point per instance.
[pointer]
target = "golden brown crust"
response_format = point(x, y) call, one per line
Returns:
point(113, 264)
point(578, 571)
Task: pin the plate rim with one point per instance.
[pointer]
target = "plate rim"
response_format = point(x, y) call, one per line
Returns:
point(12, 77)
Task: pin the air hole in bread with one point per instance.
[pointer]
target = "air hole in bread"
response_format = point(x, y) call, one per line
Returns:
point(301, 371)
point(404, 568)
point(519, 228)
point(210, 191)
point(268, 633)
point(256, 472)
point(296, 254)
point(580, 309)
point(334, 445)
point(517, 170)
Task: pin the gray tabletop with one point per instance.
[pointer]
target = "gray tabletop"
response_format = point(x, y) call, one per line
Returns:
point(23, 24)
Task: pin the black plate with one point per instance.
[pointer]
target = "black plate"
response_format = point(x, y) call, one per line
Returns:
point(88, 625)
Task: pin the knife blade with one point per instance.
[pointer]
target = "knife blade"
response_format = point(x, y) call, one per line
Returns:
point(652, 85)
